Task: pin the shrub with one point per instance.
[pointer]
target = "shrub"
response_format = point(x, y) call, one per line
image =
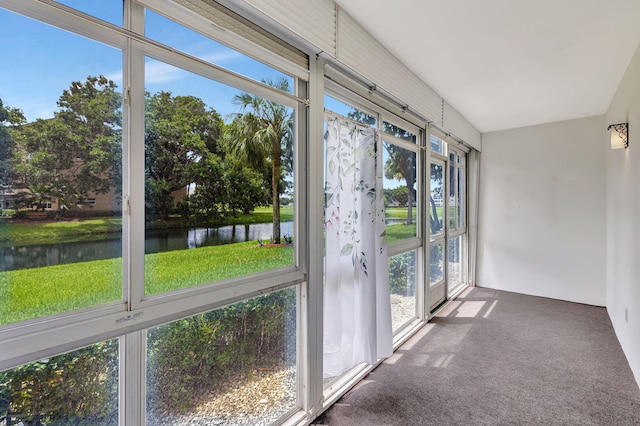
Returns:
point(79, 387)
point(401, 274)
point(219, 348)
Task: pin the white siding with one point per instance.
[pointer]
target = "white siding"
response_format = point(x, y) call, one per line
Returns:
point(458, 126)
point(313, 20)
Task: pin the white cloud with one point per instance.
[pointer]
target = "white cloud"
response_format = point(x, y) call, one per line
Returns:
point(159, 72)
point(219, 58)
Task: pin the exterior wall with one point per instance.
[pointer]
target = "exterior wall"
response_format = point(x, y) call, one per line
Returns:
point(542, 211)
point(623, 218)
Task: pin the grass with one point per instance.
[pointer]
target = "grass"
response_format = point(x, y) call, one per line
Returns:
point(33, 232)
point(398, 212)
point(185, 268)
point(400, 232)
point(37, 292)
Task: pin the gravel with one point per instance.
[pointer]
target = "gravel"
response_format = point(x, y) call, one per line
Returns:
point(264, 399)
point(403, 309)
point(256, 403)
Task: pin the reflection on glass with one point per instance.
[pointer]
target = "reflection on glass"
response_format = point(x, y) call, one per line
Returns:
point(60, 172)
point(334, 105)
point(436, 200)
point(402, 283)
point(436, 264)
point(452, 192)
point(461, 198)
point(399, 191)
point(234, 365)
point(436, 144)
point(398, 132)
point(203, 174)
point(76, 388)
point(177, 36)
point(455, 259)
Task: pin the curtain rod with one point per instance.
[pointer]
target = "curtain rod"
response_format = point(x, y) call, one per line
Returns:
point(375, 90)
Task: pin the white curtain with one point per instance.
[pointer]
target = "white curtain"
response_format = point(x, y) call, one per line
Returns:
point(357, 309)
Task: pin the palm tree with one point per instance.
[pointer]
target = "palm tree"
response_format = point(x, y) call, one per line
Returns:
point(260, 135)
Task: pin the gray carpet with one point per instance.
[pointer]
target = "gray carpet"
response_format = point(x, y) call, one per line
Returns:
point(499, 358)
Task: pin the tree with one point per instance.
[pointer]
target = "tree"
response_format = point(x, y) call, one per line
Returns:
point(434, 218)
point(180, 133)
point(262, 134)
point(76, 152)
point(398, 195)
point(6, 148)
point(401, 163)
point(244, 185)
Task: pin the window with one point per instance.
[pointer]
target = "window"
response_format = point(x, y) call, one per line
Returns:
point(109, 10)
point(201, 170)
point(79, 387)
point(65, 138)
point(162, 216)
point(173, 34)
point(402, 284)
point(162, 237)
point(436, 144)
point(232, 365)
point(436, 200)
point(436, 264)
point(400, 171)
point(399, 168)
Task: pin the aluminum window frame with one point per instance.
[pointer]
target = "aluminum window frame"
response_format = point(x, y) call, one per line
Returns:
point(127, 320)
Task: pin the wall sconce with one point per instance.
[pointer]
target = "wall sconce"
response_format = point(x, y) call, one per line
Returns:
point(619, 135)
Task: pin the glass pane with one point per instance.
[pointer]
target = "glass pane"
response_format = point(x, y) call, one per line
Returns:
point(398, 132)
point(60, 171)
point(436, 264)
point(76, 388)
point(402, 282)
point(177, 36)
point(400, 191)
point(455, 259)
point(234, 365)
point(436, 200)
point(461, 198)
point(107, 10)
point(346, 110)
point(452, 192)
point(213, 211)
point(436, 144)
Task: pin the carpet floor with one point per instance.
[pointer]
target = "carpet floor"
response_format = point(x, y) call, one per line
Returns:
point(498, 358)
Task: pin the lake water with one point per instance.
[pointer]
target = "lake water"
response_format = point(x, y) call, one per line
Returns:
point(35, 256)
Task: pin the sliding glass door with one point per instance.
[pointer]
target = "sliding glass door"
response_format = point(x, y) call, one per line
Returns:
point(447, 220)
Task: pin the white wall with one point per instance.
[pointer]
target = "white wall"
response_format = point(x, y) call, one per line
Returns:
point(542, 215)
point(623, 218)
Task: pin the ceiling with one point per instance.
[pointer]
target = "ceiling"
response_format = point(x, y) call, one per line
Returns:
point(505, 63)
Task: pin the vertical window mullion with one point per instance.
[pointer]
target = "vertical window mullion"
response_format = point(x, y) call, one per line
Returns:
point(132, 346)
point(136, 163)
point(132, 380)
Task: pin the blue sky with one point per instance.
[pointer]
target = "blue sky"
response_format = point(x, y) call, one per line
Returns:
point(45, 60)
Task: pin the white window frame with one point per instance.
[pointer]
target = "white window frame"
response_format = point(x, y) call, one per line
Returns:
point(127, 320)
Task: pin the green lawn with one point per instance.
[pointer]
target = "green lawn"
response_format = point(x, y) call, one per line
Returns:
point(37, 292)
point(34, 232)
point(31, 293)
point(400, 232)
